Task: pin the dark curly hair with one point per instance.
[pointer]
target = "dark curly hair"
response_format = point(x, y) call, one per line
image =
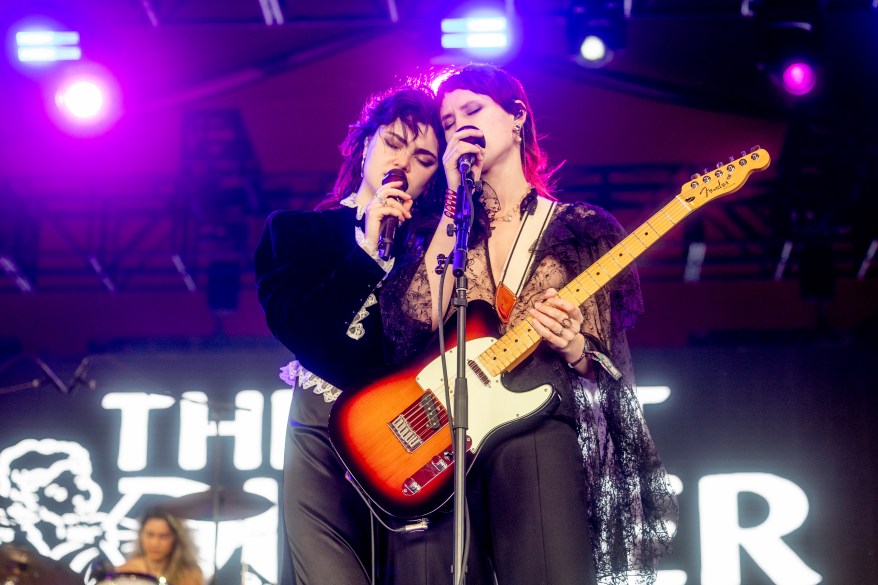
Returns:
point(414, 106)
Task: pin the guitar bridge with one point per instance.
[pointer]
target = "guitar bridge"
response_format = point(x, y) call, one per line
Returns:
point(419, 422)
point(407, 436)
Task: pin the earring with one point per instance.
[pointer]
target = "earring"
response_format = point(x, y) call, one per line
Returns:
point(363, 161)
point(517, 131)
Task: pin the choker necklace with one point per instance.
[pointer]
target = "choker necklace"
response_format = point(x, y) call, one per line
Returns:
point(509, 215)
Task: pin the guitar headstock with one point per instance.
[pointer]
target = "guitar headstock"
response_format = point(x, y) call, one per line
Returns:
point(725, 178)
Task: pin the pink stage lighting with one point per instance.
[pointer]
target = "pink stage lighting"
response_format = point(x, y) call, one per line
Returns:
point(799, 78)
point(83, 99)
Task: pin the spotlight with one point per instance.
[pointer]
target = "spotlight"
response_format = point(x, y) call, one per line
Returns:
point(596, 30)
point(85, 99)
point(593, 49)
point(82, 99)
point(480, 33)
point(790, 47)
point(799, 78)
point(39, 46)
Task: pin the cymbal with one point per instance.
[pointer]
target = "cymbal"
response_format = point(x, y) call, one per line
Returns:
point(233, 504)
point(24, 566)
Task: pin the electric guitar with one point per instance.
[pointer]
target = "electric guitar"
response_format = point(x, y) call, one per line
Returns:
point(393, 435)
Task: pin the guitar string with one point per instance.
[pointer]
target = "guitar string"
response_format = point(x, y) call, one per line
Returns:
point(420, 423)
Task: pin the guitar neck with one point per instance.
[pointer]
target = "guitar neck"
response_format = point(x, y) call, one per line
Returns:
point(518, 343)
point(511, 349)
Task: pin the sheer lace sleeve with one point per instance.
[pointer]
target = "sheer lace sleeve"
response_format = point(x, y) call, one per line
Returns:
point(632, 504)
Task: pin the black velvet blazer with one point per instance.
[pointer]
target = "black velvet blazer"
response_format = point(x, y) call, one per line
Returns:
point(313, 278)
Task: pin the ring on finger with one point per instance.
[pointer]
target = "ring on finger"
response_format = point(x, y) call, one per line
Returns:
point(566, 323)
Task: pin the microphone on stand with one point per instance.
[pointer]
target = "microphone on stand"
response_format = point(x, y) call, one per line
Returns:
point(389, 223)
point(466, 161)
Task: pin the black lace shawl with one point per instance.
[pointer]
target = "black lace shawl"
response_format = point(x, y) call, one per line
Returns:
point(630, 500)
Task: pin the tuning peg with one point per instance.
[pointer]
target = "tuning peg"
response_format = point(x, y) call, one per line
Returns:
point(755, 148)
point(743, 153)
point(719, 164)
point(695, 177)
point(731, 159)
point(705, 171)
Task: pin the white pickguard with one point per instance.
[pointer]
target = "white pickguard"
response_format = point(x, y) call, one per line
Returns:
point(491, 405)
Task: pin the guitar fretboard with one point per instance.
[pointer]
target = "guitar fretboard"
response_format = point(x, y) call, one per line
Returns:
point(511, 349)
point(508, 351)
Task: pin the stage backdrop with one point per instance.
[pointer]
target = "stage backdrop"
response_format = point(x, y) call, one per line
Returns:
point(772, 450)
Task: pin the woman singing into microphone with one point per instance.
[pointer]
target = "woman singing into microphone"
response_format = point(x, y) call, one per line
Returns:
point(580, 496)
point(317, 276)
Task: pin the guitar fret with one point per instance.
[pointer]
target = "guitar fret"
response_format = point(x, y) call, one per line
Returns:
point(598, 274)
point(582, 289)
point(610, 266)
point(489, 358)
point(622, 255)
point(662, 221)
point(633, 245)
point(502, 352)
point(527, 330)
point(488, 363)
point(647, 234)
point(678, 209)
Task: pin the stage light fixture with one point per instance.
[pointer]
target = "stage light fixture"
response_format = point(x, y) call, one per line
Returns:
point(593, 49)
point(799, 78)
point(790, 50)
point(41, 46)
point(482, 33)
point(82, 99)
point(596, 30)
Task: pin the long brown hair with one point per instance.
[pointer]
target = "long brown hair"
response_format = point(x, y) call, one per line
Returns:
point(184, 557)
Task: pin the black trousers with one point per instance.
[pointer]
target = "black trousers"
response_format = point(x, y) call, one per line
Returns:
point(328, 526)
point(528, 513)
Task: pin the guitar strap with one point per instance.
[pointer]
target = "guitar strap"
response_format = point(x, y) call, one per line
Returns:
point(521, 257)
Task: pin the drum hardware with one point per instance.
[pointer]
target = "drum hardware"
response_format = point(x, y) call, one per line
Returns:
point(21, 565)
point(218, 502)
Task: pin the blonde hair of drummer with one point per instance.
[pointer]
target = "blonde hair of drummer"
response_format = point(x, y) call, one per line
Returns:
point(165, 549)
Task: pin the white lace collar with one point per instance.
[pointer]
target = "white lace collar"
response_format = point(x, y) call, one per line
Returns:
point(351, 201)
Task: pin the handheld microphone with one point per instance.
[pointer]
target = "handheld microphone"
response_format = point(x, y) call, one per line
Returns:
point(389, 223)
point(466, 161)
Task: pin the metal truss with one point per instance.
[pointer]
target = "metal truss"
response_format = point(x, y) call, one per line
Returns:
point(167, 234)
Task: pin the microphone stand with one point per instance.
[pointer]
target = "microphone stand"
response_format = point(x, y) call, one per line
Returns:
point(463, 220)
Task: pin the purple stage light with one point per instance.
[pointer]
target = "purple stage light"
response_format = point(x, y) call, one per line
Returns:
point(85, 99)
point(82, 99)
point(799, 78)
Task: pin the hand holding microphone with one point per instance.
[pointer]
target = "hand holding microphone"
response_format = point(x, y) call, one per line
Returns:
point(468, 159)
point(390, 222)
point(462, 154)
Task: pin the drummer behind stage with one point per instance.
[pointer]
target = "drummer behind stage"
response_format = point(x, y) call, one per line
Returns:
point(164, 551)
